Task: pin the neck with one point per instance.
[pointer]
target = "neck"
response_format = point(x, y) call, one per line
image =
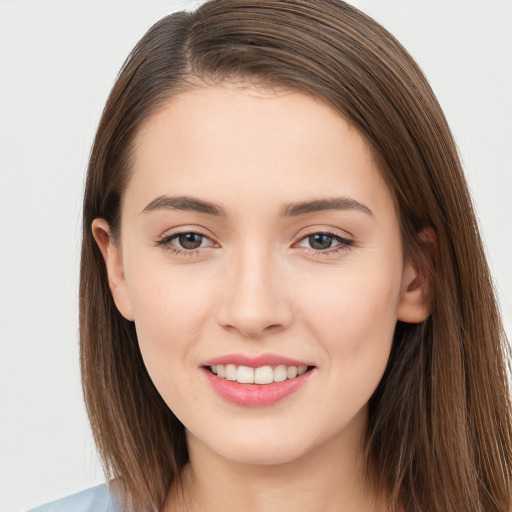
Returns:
point(329, 477)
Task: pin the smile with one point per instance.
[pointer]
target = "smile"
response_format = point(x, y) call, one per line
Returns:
point(256, 381)
point(260, 375)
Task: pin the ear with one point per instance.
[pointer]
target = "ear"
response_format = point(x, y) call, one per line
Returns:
point(114, 264)
point(415, 304)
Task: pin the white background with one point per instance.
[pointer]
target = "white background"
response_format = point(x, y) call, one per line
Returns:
point(58, 61)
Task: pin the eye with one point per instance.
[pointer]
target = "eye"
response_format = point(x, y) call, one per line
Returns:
point(325, 242)
point(187, 242)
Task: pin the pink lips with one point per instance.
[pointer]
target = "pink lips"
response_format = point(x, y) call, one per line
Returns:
point(254, 395)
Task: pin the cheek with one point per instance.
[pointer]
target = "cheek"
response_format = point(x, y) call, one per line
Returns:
point(167, 328)
point(171, 313)
point(167, 300)
point(354, 323)
point(354, 317)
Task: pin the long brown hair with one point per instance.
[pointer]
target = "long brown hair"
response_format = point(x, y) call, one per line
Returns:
point(439, 435)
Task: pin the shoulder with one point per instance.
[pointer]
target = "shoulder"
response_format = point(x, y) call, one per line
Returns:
point(96, 499)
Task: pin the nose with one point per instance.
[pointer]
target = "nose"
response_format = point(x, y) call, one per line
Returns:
point(254, 301)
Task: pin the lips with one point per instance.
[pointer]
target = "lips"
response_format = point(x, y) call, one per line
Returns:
point(255, 361)
point(256, 381)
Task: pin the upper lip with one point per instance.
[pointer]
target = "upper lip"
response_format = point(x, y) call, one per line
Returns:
point(255, 361)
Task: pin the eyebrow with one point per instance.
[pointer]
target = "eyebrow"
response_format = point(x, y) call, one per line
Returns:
point(318, 205)
point(188, 203)
point(184, 203)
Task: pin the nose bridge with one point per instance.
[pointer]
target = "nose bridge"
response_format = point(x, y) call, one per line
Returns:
point(255, 300)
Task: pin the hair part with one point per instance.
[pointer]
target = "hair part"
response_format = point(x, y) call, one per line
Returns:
point(439, 433)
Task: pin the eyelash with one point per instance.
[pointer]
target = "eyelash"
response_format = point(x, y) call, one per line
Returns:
point(166, 240)
point(343, 243)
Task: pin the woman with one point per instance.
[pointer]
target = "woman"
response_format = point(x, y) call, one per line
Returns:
point(284, 298)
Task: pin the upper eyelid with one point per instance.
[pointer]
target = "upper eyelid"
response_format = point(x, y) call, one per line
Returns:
point(342, 240)
point(166, 239)
point(330, 234)
point(340, 233)
point(170, 233)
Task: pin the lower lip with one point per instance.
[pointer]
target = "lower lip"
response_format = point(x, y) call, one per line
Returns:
point(255, 395)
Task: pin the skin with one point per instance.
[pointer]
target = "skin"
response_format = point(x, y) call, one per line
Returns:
point(256, 285)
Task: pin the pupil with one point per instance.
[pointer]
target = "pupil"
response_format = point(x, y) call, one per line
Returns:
point(190, 240)
point(320, 241)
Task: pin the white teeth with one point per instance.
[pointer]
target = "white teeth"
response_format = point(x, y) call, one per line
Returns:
point(280, 373)
point(291, 372)
point(245, 375)
point(260, 375)
point(263, 375)
point(230, 372)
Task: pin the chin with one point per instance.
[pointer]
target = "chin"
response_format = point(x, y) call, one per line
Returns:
point(258, 449)
point(261, 456)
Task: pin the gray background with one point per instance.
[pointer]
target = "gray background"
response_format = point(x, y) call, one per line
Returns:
point(58, 61)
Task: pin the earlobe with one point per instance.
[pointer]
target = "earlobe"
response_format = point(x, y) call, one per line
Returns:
point(415, 304)
point(114, 265)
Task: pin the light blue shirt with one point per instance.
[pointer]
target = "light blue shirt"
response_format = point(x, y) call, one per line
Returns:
point(96, 499)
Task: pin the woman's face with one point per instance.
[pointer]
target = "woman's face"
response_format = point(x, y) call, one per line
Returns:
point(257, 232)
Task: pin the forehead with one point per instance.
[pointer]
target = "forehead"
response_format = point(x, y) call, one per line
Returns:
point(238, 140)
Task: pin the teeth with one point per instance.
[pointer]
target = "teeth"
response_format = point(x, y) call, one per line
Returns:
point(230, 372)
point(280, 373)
point(260, 375)
point(264, 375)
point(291, 372)
point(245, 375)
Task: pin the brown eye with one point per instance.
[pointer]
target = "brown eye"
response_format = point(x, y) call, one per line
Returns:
point(326, 242)
point(189, 240)
point(186, 243)
point(320, 241)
